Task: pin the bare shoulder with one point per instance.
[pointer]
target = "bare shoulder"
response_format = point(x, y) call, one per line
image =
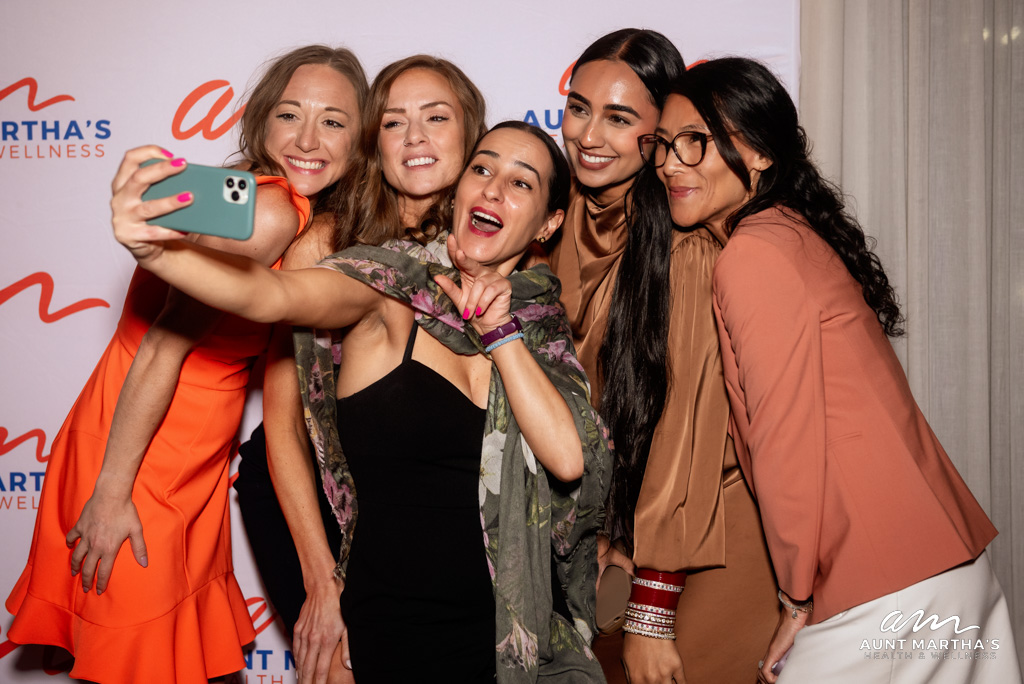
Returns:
point(312, 244)
point(275, 211)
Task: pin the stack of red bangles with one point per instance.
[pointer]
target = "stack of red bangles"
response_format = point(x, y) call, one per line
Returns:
point(651, 610)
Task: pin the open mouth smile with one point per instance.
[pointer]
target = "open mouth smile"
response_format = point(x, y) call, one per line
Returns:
point(484, 223)
point(304, 165)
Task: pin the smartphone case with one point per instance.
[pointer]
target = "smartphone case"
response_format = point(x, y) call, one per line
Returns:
point(224, 201)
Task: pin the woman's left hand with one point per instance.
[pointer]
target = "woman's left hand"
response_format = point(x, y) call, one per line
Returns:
point(485, 296)
point(782, 641)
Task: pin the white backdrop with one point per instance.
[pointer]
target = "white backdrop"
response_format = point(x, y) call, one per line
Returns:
point(82, 82)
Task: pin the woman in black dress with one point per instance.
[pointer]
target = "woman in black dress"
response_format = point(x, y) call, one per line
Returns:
point(542, 468)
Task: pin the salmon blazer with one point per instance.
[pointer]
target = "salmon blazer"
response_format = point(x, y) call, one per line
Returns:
point(857, 496)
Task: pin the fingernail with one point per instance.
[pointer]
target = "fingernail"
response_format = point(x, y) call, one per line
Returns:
point(166, 153)
point(465, 314)
point(144, 562)
point(348, 664)
point(99, 591)
point(74, 573)
point(479, 311)
point(178, 162)
point(185, 197)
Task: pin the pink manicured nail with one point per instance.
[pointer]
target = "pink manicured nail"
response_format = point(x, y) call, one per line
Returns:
point(166, 153)
point(465, 314)
point(178, 162)
point(479, 311)
point(185, 197)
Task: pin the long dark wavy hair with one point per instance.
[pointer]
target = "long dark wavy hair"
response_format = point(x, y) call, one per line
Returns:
point(633, 366)
point(732, 95)
point(739, 94)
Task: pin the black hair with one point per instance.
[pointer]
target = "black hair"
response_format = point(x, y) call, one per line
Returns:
point(743, 95)
point(651, 56)
point(633, 366)
point(731, 94)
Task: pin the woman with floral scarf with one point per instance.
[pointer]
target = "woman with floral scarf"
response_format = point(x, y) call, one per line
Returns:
point(497, 337)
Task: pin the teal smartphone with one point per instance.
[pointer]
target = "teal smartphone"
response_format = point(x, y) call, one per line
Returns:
point(224, 201)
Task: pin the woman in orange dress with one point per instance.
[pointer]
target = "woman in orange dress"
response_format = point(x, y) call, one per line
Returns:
point(155, 424)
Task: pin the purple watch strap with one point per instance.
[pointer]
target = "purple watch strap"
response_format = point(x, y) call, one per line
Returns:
point(501, 331)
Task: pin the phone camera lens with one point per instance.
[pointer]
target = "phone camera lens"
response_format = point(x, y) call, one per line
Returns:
point(241, 184)
point(235, 195)
point(230, 182)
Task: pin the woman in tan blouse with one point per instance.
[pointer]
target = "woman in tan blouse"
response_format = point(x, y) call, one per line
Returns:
point(649, 344)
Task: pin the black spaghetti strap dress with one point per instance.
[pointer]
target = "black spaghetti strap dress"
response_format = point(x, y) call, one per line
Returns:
point(418, 600)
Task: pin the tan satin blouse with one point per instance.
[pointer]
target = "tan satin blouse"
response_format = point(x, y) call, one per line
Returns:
point(679, 521)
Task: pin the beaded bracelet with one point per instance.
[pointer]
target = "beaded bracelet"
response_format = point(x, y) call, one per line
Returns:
point(494, 345)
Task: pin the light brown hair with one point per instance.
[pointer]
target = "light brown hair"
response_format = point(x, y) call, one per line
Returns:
point(264, 97)
point(370, 215)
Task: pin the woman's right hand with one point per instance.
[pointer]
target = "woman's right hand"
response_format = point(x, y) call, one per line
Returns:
point(319, 632)
point(647, 660)
point(130, 212)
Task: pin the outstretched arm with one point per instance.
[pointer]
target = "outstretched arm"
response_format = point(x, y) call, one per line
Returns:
point(110, 517)
point(230, 282)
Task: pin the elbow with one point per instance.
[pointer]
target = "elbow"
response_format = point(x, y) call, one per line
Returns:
point(569, 467)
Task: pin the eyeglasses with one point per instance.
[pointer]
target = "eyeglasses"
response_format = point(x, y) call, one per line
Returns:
point(689, 148)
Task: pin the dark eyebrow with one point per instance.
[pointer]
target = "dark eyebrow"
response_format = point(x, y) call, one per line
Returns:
point(621, 108)
point(495, 155)
point(576, 96)
point(608, 107)
point(690, 128)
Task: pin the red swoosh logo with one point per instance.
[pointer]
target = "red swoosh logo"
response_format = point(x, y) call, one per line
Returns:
point(33, 88)
point(35, 434)
point(45, 283)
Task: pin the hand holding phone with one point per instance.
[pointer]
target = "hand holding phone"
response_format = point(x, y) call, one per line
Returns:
point(223, 204)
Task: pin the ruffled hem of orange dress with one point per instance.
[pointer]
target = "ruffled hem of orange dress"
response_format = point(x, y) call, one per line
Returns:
point(200, 638)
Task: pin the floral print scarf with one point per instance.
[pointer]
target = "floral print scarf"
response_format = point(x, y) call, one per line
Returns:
point(529, 520)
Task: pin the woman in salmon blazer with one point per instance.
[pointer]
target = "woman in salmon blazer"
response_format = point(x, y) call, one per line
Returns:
point(866, 518)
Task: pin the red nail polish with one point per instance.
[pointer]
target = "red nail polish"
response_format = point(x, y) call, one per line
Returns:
point(479, 311)
point(166, 153)
point(184, 197)
point(465, 314)
point(178, 162)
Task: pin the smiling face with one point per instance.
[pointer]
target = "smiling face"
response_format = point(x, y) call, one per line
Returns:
point(421, 139)
point(501, 204)
point(312, 128)
point(607, 108)
point(706, 194)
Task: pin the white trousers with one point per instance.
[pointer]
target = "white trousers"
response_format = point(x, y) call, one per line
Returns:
point(894, 639)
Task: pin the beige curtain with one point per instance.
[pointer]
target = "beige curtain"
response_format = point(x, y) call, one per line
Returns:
point(916, 108)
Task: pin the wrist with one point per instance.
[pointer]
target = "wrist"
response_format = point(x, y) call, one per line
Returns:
point(651, 609)
point(113, 488)
point(796, 608)
point(502, 333)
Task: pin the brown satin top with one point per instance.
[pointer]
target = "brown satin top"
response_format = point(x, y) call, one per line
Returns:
point(586, 260)
point(679, 522)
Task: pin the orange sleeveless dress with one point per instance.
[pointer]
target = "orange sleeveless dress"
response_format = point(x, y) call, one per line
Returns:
point(183, 618)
